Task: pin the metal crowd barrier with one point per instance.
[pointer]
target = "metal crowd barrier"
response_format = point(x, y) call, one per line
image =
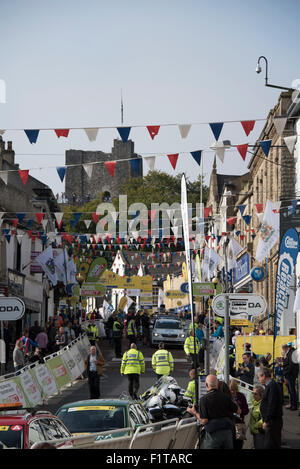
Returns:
point(187, 434)
point(159, 435)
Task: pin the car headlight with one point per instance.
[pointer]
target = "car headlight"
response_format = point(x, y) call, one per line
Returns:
point(155, 334)
point(182, 335)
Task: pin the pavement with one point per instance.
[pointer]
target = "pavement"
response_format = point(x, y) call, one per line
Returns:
point(113, 385)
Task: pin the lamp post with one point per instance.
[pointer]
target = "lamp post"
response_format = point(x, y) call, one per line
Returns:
point(80, 281)
point(258, 70)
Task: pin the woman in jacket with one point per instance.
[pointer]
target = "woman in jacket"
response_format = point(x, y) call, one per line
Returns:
point(240, 399)
point(255, 423)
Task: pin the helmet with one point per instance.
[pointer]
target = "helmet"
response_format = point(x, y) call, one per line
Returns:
point(175, 388)
point(168, 395)
point(155, 401)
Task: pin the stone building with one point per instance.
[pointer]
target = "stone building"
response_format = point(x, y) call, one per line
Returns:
point(87, 188)
point(17, 275)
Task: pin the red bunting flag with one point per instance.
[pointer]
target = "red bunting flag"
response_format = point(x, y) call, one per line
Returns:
point(24, 175)
point(242, 149)
point(231, 220)
point(110, 165)
point(153, 130)
point(15, 222)
point(95, 217)
point(39, 217)
point(259, 207)
point(242, 237)
point(207, 212)
point(248, 126)
point(62, 132)
point(173, 159)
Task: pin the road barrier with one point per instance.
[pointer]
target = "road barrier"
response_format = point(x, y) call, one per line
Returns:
point(168, 434)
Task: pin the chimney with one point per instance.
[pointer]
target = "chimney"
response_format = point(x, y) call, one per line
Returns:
point(9, 154)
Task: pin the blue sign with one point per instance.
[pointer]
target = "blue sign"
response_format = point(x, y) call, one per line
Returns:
point(242, 268)
point(184, 287)
point(289, 249)
point(258, 274)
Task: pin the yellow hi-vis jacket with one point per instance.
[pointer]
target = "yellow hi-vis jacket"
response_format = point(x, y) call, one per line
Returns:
point(162, 362)
point(189, 345)
point(131, 329)
point(92, 331)
point(191, 391)
point(132, 362)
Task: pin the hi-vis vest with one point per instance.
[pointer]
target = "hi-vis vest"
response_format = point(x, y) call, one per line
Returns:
point(162, 362)
point(191, 391)
point(189, 345)
point(131, 330)
point(132, 362)
point(92, 331)
point(117, 329)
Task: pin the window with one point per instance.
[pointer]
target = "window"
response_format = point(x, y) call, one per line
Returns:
point(133, 418)
point(141, 413)
point(51, 429)
point(35, 434)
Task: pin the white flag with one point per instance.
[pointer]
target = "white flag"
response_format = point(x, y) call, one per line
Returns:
point(184, 129)
point(161, 297)
point(88, 169)
point(269, 231)
point(290, 142)
point(150, 160)
point(219, 149)
point(234, 249)
point(92, 134)
point(46, 261)
point(279, 123)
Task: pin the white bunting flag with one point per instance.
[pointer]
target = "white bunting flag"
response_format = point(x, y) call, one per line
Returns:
point(88, 169)
point(92, 134)
point(150, 160)
point(4, 176)
point(87, 223)
point(219, 149)
point(234, 249)
point(279, 123)
point(184, 130)
point(58, 217)
point(290, 143)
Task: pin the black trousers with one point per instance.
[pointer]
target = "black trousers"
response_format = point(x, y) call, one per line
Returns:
point(291, 385)
point(133, 384)
point(273, 434)
point(118, 346)
point(94, 384)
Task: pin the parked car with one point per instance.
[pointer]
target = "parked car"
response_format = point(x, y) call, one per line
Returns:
point(169, 331)
point(20, 428)
point(99, 415)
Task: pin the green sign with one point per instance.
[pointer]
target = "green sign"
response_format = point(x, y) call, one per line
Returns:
point(59, 371)
point(97, 267)
point(206, 289)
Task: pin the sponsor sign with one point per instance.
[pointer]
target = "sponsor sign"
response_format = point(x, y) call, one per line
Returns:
point(45, 379)
point(258, 274)
point(174, 294)
point(288, 252)
point(30, 388)
point(11, 308)
point(240, 305)
point(242, 268)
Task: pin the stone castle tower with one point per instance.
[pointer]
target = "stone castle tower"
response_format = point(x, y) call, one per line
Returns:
point(85, 188)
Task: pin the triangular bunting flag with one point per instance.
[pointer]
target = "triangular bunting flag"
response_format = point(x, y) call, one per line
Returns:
point(216, 128)
point(95, 217)
point(77, 216)
point(24, 175)
point(231, 220)
point(32, 135)
point(136, 165)
point(265, 146)
point(153, 130)
point(91, 133)
point(279, 123)
point(20, 217)
point(259, 207)
point(247, 219)
point(61, 170)
point(150, 160)
point(173, 159)
point(62, 132)
point(124, 133)
point(110, 165)
point(88, 169)
point(290, 142)
point(59, 218)
point(207, 211)
point(184, 130)
point(197, 156)
point(4, 176)
point(242, 149)
point(248, 126)
point(39, 217)
point(242, 208)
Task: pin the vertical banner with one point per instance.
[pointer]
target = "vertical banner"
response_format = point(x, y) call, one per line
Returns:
point(185, 222)
point(289, 248)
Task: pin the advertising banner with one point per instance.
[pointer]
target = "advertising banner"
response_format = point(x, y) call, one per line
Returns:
point(59, 371)
point(70, 363)
point(45, 379)
point(260, 345)
point(30, 388)
point(289, 248)
point(11, 391)
point(111, 280)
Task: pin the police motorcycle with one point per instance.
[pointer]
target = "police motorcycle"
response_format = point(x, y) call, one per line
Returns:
point(165, 400)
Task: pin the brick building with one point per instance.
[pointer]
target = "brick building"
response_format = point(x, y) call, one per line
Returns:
point(77, 180)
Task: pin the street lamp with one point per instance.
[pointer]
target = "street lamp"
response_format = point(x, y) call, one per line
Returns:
point(259, 69)
point(80, 280)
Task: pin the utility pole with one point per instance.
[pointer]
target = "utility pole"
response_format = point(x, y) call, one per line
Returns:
point(226, 318)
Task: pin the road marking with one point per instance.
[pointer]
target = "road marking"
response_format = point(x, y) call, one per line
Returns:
point(149, 359)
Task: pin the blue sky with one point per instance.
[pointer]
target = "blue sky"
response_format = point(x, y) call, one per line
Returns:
point(65, 62)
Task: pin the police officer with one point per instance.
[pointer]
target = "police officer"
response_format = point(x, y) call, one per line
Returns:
point(117, 336)
point(162, 361)
point(133, 365)
point(92, 332)
point(131, 331)
point(191, 348)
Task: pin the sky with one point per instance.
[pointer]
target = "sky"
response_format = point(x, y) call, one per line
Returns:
point(64, 64)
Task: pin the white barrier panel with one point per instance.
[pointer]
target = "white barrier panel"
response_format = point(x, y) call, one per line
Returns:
point(154, 436)
point(45, 379)
point(186, 436)
point(30, 388)
point(70, 363)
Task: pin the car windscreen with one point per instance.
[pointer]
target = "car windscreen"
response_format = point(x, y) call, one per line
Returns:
point(12, 435)
point(167, 325)
point(92, 419)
